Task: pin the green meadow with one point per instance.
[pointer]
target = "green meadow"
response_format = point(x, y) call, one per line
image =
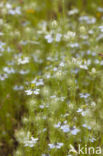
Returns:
point(51, 77)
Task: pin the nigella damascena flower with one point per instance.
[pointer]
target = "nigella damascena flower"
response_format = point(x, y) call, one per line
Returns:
point(56, 145)
point(23, 60)
point(49, 38)
point(31, 142)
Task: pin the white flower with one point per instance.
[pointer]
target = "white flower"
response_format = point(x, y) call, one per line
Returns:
point(57, 125)
point(88, 62)
point(36, 91)
point(30, 143)
point(41, 106)
point(23, 72)
point(86, 126)
point(8, 70)
point(93, 104)
point(81, 63)
point(3, 77)
point(48, 76)
point(100, 9)
point(18, 10)
point(58, 37)
point(23, 61)
point(87, 19)
point(55, 69)
point(74, 45)
point(84, 95)
point(28, 92)
point(79, 110)
point(61, 64)
point(101, 28)
point(15, 11)
point(40, 82)
point(57, 145)
point(18, 87)
point(84, 113)
point(65, 128)
point(51, 146)
point(2, 44)
point(69, 35)
point(83, 66)
point(75, 131)
point(101, 63)
point(72, 12)
point(1, 33)
point(91, 32)
point(8, 6)
point(53, 96)
point(49, 38)
point(96, 61)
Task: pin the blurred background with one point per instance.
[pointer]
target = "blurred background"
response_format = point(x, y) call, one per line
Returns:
point(24, 55)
